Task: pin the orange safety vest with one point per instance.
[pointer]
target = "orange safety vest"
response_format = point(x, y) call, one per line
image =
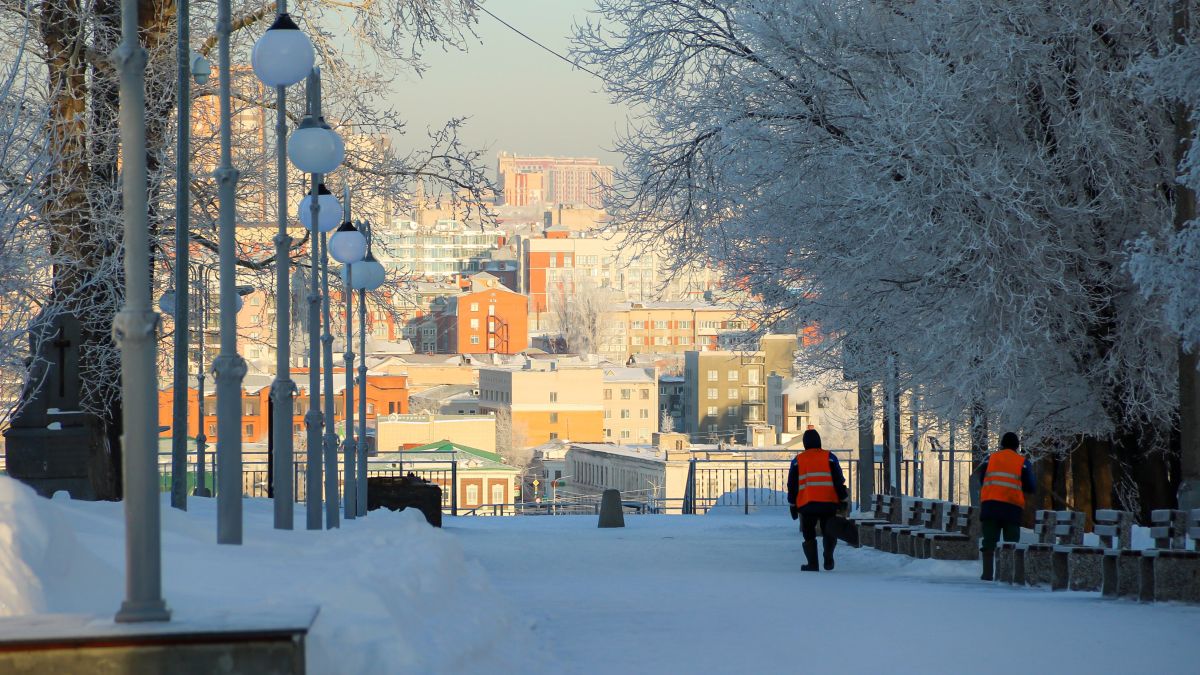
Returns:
point(1002, 481)
point(814, 479)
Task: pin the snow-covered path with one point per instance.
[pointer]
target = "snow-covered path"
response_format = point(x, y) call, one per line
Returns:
point(676, 594)
point(533, 595)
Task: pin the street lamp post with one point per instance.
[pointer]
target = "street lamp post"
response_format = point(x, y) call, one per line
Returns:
point(330, 437)
point(315, 149)
point(134, 331)
point(282, 57)
point(348, 246)
point(228, 368)
point(367, 274)
point(190, 65)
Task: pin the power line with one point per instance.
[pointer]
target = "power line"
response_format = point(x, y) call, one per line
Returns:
point(525, 35)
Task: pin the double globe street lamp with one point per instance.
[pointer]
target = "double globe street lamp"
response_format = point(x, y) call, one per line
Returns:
point(281, 57)
point(366, 274)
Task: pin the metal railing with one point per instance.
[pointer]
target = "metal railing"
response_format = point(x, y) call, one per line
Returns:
point(750, 482)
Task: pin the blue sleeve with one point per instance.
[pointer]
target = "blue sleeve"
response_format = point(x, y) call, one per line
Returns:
point(1028, 484)
point(793, 482)
point(839, 479)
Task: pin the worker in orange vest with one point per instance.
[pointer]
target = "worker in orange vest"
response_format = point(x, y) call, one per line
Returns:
point(816, 490)
point(1006, 480)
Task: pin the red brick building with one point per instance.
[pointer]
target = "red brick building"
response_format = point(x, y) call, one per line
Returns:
point(485, 319)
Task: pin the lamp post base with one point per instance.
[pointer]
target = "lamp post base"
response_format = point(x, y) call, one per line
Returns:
point(137, 612)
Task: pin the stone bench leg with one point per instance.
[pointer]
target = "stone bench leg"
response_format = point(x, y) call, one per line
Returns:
point(1004, 564)
point(1146, 579)
point(866, 534)
point(1084, 569)
point(954, 549)
point(1018, 576)
point(1177, 577)
point(1060, 574)
point(1108, 576)
point(1039, 570)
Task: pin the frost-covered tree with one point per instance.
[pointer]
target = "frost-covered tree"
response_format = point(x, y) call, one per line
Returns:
point(363, 48)
point(950, 185)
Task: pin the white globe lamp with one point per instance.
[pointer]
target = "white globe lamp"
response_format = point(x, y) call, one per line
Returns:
point(329, 213)
point(315, 148)
point(347, 245)
point(283, 55)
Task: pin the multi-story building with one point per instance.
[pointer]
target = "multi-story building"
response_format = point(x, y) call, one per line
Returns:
point(446, 248)
point(630, 405)
point(542, 402)
point(553, 180)
point(558, 261)
point(486, 319)
point(726, 392)
point(666, 327)
point(386, 394)
point(671, 390)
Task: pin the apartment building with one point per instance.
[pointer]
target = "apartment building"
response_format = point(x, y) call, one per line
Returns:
point(541, 402)
point(726, 391)
point(446, 248)
point(667, 327)
point(552, 180)
point(630, 405)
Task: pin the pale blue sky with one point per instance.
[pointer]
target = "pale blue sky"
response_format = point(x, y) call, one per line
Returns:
point(518, 97)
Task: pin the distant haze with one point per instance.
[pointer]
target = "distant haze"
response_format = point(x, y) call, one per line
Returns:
point(518, 97)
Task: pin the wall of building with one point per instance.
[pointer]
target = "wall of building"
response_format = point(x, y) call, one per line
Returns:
point(475, 431)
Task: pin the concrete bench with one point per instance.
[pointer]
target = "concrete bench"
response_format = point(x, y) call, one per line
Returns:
point(880, 509)
point(1170, 571)
point(913, 513)
point(899, 514)
point(1037, 559)
point(961, 539)
point(932, 520)
point(938, 522)
point(1074, 566)
point(1120, 566)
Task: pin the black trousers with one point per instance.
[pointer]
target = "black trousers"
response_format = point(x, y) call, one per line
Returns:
point(808, 527)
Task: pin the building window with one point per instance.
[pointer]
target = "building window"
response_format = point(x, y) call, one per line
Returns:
point(638, 325)
point(553, 418)
point(607, 414)
point(733, 394)
point(802, 407)
point(474, 339)
point(752, 395)
point(554, 435)
point(624, 433)
point(685, 340)
point(625, 394)
point(624, 413)
point(733, 375)
point(712, 411)
point(497, 494)
point(474, 324)
point(712, 393)
point(712, 376)
point(607, 432)
point(636, 340)
point(474, 306)
point(645, 413)
point(645, 394)
point(660, 325)
point(608, 394)
point(752, 377)
point(554, 397)
point(249, 428)
point(685, 324)
point(731, 411)
point(472, 494)
point(822, 401)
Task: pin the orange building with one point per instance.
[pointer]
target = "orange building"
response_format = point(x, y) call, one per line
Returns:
point(543, 402)
point(386, 394)
point(486, 319)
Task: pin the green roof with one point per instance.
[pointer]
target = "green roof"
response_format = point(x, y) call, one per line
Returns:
point(449, 447)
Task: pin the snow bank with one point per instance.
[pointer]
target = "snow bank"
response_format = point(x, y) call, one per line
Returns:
point(762, 500)
point(395, 594)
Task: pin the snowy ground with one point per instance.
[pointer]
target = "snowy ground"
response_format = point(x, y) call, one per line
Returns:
point(666, 594)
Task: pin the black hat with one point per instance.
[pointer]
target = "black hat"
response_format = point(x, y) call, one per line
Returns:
point(1010, 441)
point(812, 439)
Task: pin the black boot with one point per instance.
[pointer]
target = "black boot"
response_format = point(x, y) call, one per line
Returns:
point(810, 552)
point(988, 564)
point(830, 544)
